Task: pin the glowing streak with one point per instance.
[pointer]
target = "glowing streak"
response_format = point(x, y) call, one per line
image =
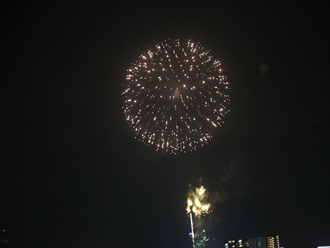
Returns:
point(192, 230)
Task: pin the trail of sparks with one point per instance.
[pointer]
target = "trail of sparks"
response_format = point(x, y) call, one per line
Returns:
point(192, 230)
point(175, 96)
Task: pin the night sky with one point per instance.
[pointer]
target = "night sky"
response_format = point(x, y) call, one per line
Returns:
point(73, 174)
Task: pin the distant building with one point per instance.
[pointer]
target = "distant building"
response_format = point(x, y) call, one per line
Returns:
point(259, 242)
point(232, 243)
point(264, 242)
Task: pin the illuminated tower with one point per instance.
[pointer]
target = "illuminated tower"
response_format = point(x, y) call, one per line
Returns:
point(277, 241)
point(270, 242)
point(273, 242)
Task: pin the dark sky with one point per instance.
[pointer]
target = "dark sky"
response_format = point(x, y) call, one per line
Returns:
point(72, 172)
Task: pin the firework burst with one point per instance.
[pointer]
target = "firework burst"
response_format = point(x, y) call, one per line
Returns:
point(175, 96)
